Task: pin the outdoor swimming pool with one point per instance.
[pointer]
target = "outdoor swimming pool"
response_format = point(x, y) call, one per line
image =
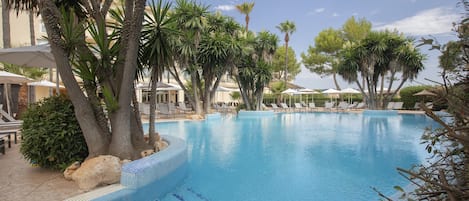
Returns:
point(297, 156)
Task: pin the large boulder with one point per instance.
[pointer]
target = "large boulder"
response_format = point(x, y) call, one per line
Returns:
point(101, 170)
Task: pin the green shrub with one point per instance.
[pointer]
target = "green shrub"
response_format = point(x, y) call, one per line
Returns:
point(51, 135)
point(407, 95)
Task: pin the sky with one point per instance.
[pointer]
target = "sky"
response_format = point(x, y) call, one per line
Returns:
point(415, 18)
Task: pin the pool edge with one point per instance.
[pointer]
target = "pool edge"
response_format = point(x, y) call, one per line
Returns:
point(164, 170)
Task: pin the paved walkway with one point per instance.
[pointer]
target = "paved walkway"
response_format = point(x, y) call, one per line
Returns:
point(20, 181)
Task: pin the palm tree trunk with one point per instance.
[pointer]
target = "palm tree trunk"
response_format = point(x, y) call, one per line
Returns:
point(334, 76)
point(286, 63)
point(6, 25)
point(153, 137)
point(97, 143)
point(32, 31)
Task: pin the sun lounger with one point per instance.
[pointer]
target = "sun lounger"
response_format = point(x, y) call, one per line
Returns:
point(390, 106)
point(284, 106)
point(298, 107)
point(352, 106)
point(182, 107)
point(312, 106)
point(397, 105)
point(342, 106)
point(329, 106)
point(164, 109)
point(361, 105)
point(275, 107)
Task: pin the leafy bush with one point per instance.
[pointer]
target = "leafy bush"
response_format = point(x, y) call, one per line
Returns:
point(51, 135)
point(407, 95)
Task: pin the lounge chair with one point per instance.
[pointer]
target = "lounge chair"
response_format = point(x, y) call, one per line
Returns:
point(397, 105)
point(182, 107)
point(9, 126)
point(342, 106)
point(164, 109)
point(275, 107)
point(299, 107)
point(352, 106)
point(312, 106)
point(284, 106)
point(390, 106)
point(361, 105)
point(329, 106)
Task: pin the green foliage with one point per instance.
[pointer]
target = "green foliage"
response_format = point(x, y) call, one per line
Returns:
point(407, 95)
point(51, 135)
point(278, 63)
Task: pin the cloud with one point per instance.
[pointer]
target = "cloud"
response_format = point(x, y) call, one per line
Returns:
point(335, 15)
point(319, 10)
point(225, 7)
point(428, 22)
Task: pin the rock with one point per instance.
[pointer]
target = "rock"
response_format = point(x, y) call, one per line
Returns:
point(105, 169)
point(70, 170)
point(147, 152)
point(160, 145)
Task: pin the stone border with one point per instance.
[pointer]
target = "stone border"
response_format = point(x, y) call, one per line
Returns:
point(156, 175)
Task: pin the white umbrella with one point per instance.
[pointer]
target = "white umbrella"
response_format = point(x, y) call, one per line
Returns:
point(349, 91)
point(331, 91)
point(11, 78)
point(44, 83)
point(308, 91)
point(31, 56)
point(289, 92)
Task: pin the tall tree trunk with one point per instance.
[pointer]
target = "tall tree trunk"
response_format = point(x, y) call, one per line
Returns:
point(96, 141)
point(241, 89)
point(286, 62)
point(334, 76)
point(32, 30)
point(195, 91)
point(207, 96)
point(121, 144)
point(6, 25)
point(153, 137)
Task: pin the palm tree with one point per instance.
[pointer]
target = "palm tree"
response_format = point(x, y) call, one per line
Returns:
point(246, 8)
point(191, 20)
point(379, 55)
point(288, 28)
point(157, 35)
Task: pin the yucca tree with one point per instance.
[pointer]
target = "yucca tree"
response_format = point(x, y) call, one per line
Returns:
point(217, 49)
point(379, 55)
point(158, 35)
point(287, 28)
point(114, 69)
point(246, 9)
point(255, 70)
point(191, 21)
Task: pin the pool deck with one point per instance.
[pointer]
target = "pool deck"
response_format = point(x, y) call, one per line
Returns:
point(21, 181)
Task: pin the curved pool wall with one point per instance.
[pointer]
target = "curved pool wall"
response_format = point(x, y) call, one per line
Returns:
point(380, 113)
point(256, 114)
point(152, 177)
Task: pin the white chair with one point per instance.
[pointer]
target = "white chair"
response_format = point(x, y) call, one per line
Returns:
point(390, 106)
point(298, 107)
point(312, 106)
point(397, 105)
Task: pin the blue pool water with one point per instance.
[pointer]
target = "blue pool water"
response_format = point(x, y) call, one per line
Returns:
point(297, 157)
